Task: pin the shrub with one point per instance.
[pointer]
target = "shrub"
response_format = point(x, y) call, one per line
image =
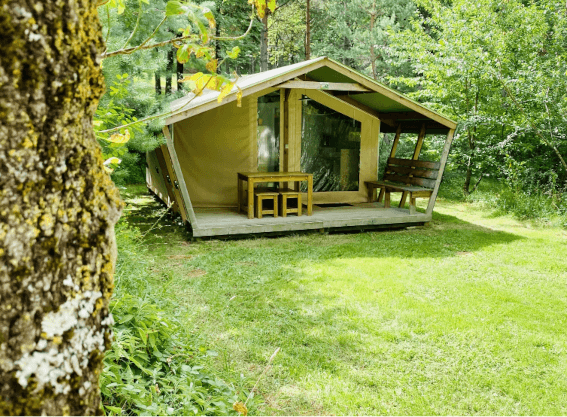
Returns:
point(153, 367)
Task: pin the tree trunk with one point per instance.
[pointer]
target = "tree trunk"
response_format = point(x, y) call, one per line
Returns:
point(372, 52)
point(57, 210)
point(264, 44)
point(157, 76)
point(217, 43)
point(307, 31)
point(169, 72)
point(467, 183)
point(179, 75)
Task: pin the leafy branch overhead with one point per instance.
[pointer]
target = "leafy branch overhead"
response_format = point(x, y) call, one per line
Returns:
point(194, 39)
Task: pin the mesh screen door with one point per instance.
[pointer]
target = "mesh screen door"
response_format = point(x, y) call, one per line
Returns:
point(330, 147)
point(269, 132)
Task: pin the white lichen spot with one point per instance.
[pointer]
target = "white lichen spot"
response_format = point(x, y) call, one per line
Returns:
point(108, 321)
point(33, 37)
point(23, 13)
point(68, 281)
point(54, 367)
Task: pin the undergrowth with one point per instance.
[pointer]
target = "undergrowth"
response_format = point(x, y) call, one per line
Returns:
point(155, 366)
point(524, 203)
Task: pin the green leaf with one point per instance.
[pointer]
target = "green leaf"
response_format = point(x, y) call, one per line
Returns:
point(126, 319)
point(115, 410)
point(173, 8)
point(143, 335)
point(234, 53)
point(210, 17)
point(184, 53)
point(152, 338)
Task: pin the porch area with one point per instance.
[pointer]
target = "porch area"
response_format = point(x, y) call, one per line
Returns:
point(227, 221)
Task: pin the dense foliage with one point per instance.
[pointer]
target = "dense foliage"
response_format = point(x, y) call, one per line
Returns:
point(155, 366)
point(499, 69)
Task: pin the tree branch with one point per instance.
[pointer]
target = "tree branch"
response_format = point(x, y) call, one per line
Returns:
point(157, 116)
point(478, 182)
point(135, 27)
point(533, 126)
point(143, 45)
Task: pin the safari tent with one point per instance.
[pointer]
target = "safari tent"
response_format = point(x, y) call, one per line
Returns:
point(318, 118)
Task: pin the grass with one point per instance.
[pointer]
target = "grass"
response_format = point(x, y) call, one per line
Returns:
point(464, 316)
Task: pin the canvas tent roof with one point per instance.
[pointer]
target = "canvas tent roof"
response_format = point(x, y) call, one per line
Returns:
point(387, 104)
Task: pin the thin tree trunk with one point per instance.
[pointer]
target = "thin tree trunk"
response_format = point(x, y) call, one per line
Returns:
point(179, 75)
point(169, 72)
point(157, 76)
point(308, 31)
point(217, 43)
point(264, 44)
point(57, 210)
point(467, 183)
point(372, 52)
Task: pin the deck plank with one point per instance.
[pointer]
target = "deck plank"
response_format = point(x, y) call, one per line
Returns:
point(226, 221)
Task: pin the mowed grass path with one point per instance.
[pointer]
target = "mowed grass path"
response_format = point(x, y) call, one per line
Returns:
point(467, 315)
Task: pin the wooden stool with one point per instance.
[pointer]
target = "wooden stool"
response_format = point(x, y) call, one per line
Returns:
point(262, 194)
point(287, 193)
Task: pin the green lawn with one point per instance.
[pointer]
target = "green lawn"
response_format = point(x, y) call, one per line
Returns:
point(466, 315)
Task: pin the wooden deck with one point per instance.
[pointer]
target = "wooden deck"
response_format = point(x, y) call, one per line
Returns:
point(226, 221)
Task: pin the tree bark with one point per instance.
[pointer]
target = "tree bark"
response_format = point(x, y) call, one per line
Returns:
point(179, 75)
point(308, 31)
point(157, 77)
point(264, 44)
point(58, 208)
point(372, 52)
point(169, 71)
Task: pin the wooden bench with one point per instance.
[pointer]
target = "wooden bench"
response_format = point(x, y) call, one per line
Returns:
point(408, 176)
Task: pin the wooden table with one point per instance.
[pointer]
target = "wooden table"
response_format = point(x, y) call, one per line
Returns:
point(259, 177)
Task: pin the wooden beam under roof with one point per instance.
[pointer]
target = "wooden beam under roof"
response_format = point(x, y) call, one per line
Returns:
point(405, 115)
point(315, 85)
point(365, 109)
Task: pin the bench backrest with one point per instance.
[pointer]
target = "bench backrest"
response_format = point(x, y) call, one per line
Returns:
point(412, 172)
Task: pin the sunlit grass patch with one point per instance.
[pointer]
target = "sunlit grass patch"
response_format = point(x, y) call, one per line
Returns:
point(464, 316)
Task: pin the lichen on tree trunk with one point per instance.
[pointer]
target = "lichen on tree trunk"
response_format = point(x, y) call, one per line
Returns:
point(57, 210)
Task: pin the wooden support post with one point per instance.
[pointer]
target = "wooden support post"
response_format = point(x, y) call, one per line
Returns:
point(387, 199)
point(310, 195)
point(392, 155)
point(442, 164)
point(412, 205)
point(181, 180)
point(176, 192)
point(250, 198)
point(415, 156)
point(239, 188)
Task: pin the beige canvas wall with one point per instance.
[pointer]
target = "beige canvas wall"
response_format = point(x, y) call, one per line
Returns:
point(212, 147)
